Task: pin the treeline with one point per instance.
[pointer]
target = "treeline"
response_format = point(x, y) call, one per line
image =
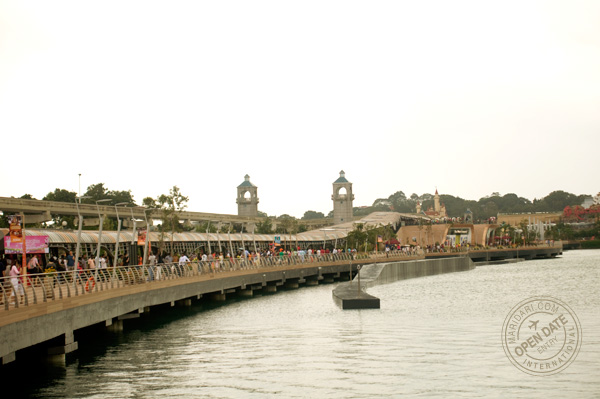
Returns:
point(482, 209)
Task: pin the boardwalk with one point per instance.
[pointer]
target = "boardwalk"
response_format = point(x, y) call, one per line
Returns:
point(56, 305)
point(53, 292)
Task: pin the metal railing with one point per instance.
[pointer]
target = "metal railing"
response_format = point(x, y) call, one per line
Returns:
point(31, 289)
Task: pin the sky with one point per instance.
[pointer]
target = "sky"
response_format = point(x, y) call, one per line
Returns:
point(471, 97)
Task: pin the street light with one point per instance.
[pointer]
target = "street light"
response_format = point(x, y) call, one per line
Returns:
point(208, 237)
point(230, 245)
point(100, 229)
point(147, 235)
point(80, 223)
point(116, 257)
point(243, 244)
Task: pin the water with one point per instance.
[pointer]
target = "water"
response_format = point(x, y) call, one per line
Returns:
point(437, 336)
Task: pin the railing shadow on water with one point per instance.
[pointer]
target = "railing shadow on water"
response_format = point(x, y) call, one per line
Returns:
point(32, 289)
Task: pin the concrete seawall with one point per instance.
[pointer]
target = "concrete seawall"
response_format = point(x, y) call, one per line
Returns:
point(58, 321)
point(349, 296)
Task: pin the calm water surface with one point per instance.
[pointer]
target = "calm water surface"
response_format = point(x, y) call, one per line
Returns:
point(435, 336)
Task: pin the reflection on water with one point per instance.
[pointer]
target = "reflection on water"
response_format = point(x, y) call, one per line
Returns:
point(435, 336)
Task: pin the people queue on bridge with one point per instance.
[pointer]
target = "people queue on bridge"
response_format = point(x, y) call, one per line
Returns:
point(89, 270)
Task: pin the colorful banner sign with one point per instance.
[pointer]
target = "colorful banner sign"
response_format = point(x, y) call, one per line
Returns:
point(141, 236)
point(34, 245)
point(15, 229)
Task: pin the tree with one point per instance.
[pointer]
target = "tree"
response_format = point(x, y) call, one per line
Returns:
point(264, 227)
point(61, 195)
point(94, 193)
point(357, 236)
point(121, 196)
point(27, 196)
point(310, 215)
point(201, 228)
point(171, 205)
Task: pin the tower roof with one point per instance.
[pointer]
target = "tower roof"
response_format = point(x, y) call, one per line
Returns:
point(342, 178)
point(246, 182)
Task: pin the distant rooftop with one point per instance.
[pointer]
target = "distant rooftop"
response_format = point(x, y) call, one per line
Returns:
point(342, 178)
point(246, 182)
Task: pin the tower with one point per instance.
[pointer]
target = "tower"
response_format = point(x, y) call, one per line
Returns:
point(436, 201)
point(247, 198)
point(342, 200)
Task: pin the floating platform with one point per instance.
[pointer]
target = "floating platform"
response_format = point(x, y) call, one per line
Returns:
point(348, 296)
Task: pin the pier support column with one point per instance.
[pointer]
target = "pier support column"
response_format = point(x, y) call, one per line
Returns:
point(114, 326)
point(311, 283)
point(270, 288)
point(291, 284)
point(247, 293)
point(57, 353)
point(9, 358)
point(219, 297)
point(185, 302)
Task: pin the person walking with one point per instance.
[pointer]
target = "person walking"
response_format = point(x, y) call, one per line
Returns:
point(70, 261)
point(15, 280)
point(183, 261)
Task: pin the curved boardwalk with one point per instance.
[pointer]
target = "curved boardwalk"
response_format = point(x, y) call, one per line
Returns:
point(56, 309)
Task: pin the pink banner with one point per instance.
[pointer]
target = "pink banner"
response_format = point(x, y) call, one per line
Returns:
point(35, 245)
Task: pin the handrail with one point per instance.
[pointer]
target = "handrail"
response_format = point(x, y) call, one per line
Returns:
point(42, 287)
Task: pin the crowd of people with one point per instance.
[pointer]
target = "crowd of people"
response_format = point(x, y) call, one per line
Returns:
point(88, 269)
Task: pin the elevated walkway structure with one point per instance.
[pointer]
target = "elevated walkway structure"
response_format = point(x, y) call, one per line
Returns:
point(56, 305)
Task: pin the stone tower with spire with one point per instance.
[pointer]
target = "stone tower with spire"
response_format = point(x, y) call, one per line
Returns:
point(247, 198)
point(436, 201)
point(342, 200)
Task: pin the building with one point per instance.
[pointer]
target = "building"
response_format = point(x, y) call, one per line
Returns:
point(247, 198)
point(438, 211)
point(342, 200)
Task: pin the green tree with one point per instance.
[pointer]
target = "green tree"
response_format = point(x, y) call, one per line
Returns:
point(310, 215)
point(264, 227)
point(357, 237)
point(201, 228)
point(94, 193)
point(171, 205)
point(61, 195)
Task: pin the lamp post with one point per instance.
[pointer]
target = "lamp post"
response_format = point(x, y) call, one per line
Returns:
point(147, 235)
point(116, 257)
point(230, 245)
point(208, 237)
point(243, 243)
point(134, 220)
point(100, 229)
point(219, 236)
point(80, 223)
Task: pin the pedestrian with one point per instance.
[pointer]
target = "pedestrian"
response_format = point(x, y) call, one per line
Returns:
point(15, 280)
point(151, 267)
point(183, 261)
point(70, 261)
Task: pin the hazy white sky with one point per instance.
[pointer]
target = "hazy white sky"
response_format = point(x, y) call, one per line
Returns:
point(471, 97)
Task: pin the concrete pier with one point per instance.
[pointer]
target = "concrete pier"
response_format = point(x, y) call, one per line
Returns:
point(350, 296)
